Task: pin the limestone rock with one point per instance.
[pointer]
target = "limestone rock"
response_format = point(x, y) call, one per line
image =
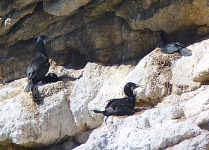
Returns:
point(9, 6)
point(103, 7)
point(111, 33)
point(182, 124)
point(14, 17)
point(201, 72)
point(107, 43)
point(167, 15)
point(110, 40)
point(62, 112)
point(191, 71)
point(199, 142)
point(83, 137)
point(124, 134)
point(197, 104)
point(154, 73)
point(25, 29)
point(66, 108)
point(69, 145)
point(104, 31)
point(63, 7)
point(29, 124)
point(199, 12)
point(85, 94)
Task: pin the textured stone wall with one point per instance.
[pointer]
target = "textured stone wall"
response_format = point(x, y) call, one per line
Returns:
point(105, 31)
point(63, 119)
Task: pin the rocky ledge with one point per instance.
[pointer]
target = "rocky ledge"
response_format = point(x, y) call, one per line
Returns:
point(97, 31)
point(95, 48)
point(173, 106)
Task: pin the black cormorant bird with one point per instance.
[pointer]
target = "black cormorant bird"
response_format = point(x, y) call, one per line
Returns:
point(122, 106)
point(171, 47)
point(39, 67)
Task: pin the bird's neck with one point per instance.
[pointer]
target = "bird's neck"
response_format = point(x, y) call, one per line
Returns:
point(132, 98)
point(164, 38)
point(128, 92)
point(41, 48)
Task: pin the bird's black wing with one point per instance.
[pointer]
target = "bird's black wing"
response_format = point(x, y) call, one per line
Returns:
point(111, 102)
point(118, 110)
point(169, 48)
point(183, 50)
point(120, 102)
point(38, 69)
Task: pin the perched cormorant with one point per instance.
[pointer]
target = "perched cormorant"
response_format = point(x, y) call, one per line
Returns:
point(171, 47)
point(122, 106)
point(51, 77)
point(39, 67)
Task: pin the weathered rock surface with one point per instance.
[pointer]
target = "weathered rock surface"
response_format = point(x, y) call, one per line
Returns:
point(63, 109)
point(167, 15)
point(179, 121)
point(88, 34)
point(64, 7)
point(103, 31)
point(134, 135)
point(64, 114)
point(27, 123)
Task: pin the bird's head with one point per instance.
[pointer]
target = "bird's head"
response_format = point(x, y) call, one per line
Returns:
point(42, 38)
point(129, 88)
point(163, 36)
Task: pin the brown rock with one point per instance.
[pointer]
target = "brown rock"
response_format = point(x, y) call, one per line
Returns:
point(107, 40)
point(156, 15)
point(200, 12)
point(64, 7)
point(14, 17)
point(8, 6)
point(30, 26)
point(167, 15)
point(104, 30)
point(102, 7)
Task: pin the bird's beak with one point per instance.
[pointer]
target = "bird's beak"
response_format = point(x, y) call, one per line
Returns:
point(136, 86)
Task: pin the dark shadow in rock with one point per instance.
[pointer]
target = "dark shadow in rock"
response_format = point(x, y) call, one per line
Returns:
point(205, 83)
point(189, 35)
point(9, 145)
point(205, 126)
point(60, 144)
point(75, 60)
point(66, 77)
point(37, 98)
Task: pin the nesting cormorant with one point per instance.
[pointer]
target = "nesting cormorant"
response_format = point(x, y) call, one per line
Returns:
point(39, 67)
point(171, 47)
point(122, 106)
point(51, 77)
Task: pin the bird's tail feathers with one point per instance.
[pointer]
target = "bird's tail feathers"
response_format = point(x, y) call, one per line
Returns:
point(185, 52)
point(29, 87)
point(99, 111)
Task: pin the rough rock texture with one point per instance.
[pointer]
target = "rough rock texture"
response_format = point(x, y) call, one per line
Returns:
point(104, 31)
point(95, 47)
point(64, 117)
point(64, 7)
point(167, 15)
point(62, 111)
point(179, 121)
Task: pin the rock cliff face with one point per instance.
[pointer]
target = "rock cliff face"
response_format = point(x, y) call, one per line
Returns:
point(96, 47)
point(176, 85)
point(104, 31)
